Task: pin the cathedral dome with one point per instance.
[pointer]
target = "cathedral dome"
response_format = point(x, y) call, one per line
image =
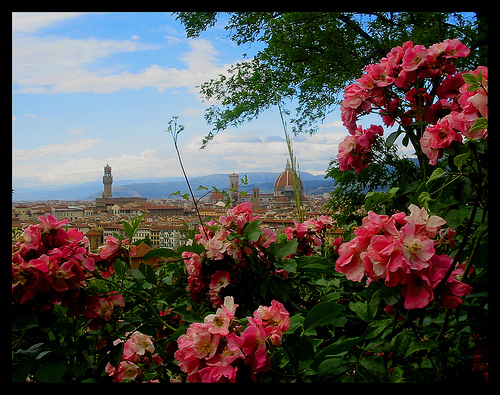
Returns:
point(285, 180)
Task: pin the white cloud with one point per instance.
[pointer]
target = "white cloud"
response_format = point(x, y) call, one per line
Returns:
point(49, 163)
point(173, 40)
point(62, 65)
point(334, 124)
point(194, 112)
point(32, 21)
point(146, 164)
point(35, 117)
point(250, 151)
point(53, 150)
point(59, 65)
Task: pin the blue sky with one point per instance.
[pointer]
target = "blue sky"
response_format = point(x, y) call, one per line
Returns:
point(91, 88)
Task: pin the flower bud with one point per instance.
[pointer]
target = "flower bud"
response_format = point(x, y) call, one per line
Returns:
point(276, 340)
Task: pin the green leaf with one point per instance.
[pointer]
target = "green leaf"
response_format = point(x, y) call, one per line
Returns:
point(479, 76)
point(469, 78)
point(460, 160)
point(338, 366)
point(400, 343)
point(375, 366)
point(421, 345)
point(315, 264)
point(51, 371)
point(295, 321)
point(128, 230)
point(131, 228)
point(375, 328)
point(455, 217)
point(322, 314)
point(290, 265)
point(196, 248)
point(436, 174)
point(20, 371)
point(24, 322)
point(370, 197)
point(286, 248)
point(424, 198)
point(160, 252)
point(150, 275)
point(406, 140)
point(336, 348)
point(473, 87)
point(359, 308)
point(137, 274)
point(389, 141)
point(305, 349)
point(32, 350)
point(119, 267)
point(393, 191)
point(479, 124)
point(280, 288)
point(252, 230)
point(364, 310)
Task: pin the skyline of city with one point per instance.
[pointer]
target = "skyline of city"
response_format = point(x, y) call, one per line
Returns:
point(165, 221)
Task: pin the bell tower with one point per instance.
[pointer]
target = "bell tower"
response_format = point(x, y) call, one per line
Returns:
point(234, 187)
point(107, 180)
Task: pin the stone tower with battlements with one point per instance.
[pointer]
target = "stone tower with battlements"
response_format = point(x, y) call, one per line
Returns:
point(107, 180)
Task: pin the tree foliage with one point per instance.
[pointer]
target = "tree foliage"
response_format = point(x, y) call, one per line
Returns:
point(309, 57)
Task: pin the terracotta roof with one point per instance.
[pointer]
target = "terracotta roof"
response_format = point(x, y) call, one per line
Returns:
point(284, 179)
point(216, 196)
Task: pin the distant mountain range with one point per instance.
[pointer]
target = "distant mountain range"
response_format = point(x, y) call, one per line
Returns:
point(149, 188)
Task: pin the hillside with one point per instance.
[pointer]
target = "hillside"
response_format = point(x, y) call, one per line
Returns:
point(163, 189)
point(262, 180)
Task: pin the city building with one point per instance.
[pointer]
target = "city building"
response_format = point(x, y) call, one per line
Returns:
point(70, 212)
point(95, 236)
point(106, 201)
point(283, 193)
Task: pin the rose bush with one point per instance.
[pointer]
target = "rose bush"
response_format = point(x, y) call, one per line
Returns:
point(400, 250)
point(444, 115)
point(213, 351)
point(400, 297)
point(50, 265)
